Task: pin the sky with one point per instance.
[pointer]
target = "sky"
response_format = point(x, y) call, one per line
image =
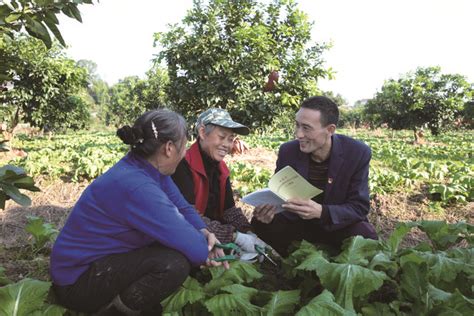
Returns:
point(372, 40)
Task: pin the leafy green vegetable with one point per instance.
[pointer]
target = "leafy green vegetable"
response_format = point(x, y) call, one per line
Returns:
point(282, 302)
point(26, 298)
point(239, 272)
point(324, 304)
point(42, 232)
point(229, 304)
point(189, 292)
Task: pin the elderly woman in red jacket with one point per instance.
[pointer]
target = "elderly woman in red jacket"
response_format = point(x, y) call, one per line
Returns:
point(203, 179)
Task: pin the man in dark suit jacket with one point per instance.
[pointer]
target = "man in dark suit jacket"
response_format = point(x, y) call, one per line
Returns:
point(336, 164)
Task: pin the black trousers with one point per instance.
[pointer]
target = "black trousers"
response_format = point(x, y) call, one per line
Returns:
point(281, 232)
point(143, 278)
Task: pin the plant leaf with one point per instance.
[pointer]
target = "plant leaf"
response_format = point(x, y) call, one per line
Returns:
point(189, 292)
point(15, 169)
point(54, 29)
point(239, 272)
point(414, 285)
point(393, 242)
point(24, 297)
point(444, 234)
point(377, 309)
point(312, 262)
point(15, 194)
point(324, 304)
point(241, 290)
point(282, 303)
point(50, 310)
point(441, 266)
point(343, 278)
point(382, 262)
point(357, 250)
point(230, 304)
point(38, 30)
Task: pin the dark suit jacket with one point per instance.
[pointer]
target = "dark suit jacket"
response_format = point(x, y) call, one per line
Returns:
point(346, 195)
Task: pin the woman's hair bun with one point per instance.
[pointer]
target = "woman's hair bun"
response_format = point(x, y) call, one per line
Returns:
point(130, 135)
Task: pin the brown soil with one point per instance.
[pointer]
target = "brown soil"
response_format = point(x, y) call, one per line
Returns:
point(56, 199)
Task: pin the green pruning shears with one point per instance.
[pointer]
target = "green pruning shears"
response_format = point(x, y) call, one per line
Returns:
point(232, 248)
point(261, 251)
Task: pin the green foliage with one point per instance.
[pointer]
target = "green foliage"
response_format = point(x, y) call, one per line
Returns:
point(131, 96)
point(396, 165)
point(336, 97)
point(223, 294)
point(247, 178)
point(348, 277)
point(38, 18)
point(445, 168)
point(26, 298)
point(445, 235)
point(42, 232)
point(189, 292)
point(222, 52)
point(12, 179)
point(450, 192)
point(233, 299)
point(351, 117)
point(324, 304)
point(76, 156)
point(46, 87)
point(468, 114)
point(423, 98)
point(282, 302)
point(423, 280)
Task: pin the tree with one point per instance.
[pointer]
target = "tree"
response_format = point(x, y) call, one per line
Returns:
point(424, 98)
point(222, 53)
point(38, 18)
point(33, 15)
point(131, 96)
point(45, 87)
point(337, 98)
point(468, 114)
point(125, 105)
point(350, 116)
point(91, 68)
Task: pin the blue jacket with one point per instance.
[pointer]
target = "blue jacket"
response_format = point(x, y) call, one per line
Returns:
point(130, 206)
point(346, 194)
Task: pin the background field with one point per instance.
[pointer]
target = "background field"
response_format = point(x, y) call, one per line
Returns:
point(408, 182)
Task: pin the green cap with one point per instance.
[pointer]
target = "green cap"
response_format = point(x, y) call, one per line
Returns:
point(221, 117)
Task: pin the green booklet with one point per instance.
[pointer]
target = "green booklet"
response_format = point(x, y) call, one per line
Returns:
point(283, 185)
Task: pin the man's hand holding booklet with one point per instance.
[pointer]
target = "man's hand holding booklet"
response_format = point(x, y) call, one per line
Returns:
point(283, 185)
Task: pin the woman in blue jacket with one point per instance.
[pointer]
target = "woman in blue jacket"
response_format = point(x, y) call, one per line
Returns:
point(131, 239)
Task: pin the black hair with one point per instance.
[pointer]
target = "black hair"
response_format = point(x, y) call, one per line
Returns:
point(327, 107)
point(152, 129)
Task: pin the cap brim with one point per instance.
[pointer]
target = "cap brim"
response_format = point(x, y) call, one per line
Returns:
point(234, 126)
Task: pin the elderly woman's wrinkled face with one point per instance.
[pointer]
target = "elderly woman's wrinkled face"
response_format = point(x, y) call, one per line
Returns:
point(217, 143)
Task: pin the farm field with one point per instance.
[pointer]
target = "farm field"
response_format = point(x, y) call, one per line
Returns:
point(430, 182)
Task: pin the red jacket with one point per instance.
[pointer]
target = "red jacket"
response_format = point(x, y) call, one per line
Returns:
point(201, 183)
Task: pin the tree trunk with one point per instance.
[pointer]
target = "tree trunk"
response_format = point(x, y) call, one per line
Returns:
point(8, 131)
point(419, 136)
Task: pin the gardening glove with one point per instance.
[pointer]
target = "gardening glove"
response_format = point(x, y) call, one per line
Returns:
point(247, 242)
point(250, 257)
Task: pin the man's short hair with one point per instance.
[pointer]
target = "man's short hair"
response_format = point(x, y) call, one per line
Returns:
point(327, 108)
